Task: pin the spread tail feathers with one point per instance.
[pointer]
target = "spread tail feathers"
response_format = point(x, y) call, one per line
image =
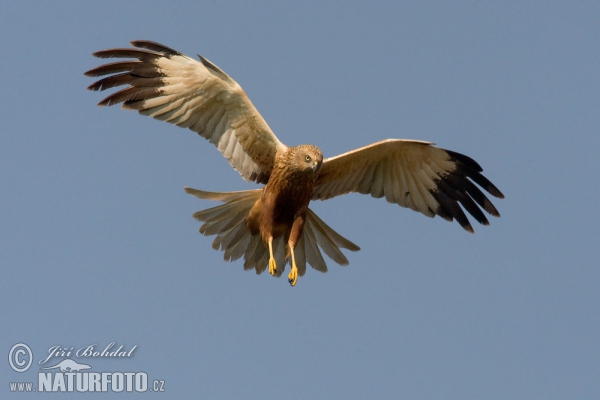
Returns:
point(228, 222)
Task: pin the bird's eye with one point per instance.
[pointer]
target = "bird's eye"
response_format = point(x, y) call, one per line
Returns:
point(307, 158)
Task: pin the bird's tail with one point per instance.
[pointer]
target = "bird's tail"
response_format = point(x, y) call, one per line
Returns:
point(228, 222)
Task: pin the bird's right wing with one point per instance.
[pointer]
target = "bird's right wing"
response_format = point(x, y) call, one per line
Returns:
point(170, 86)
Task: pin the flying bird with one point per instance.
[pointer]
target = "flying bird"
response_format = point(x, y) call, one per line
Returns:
point(273, 225)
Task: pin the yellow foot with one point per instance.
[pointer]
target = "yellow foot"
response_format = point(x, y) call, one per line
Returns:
point(293, 276)
point(272, 263)
point(272, 266)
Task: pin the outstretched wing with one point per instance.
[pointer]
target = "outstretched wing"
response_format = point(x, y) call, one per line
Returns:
point(413, 174)
point(170, 86)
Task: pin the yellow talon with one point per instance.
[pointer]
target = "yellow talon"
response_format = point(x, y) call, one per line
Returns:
point(272, 263)
point(293, 276)
point(272, 266)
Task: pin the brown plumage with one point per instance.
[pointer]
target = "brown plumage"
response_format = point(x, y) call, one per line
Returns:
point(274, 225)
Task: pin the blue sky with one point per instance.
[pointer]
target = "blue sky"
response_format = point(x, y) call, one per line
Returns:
point(99, 246)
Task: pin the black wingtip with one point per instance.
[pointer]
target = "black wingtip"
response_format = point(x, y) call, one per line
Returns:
point(465, 160)
point(154, 46)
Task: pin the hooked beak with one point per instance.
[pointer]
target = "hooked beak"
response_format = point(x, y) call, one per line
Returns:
point(316, 166)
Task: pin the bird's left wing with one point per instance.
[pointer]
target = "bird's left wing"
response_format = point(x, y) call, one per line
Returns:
point(413, 174)
point(170, 86)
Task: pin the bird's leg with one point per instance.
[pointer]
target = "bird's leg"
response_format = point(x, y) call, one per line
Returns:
point(293, 276)
point(272, 263)
point(295, 234)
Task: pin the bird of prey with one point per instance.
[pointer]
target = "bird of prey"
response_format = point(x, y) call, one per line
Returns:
point(273, 225)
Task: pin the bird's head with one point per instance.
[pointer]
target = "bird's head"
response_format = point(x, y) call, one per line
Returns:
point(308, 158)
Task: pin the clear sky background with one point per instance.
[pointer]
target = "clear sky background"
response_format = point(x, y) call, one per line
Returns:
point(98, 244)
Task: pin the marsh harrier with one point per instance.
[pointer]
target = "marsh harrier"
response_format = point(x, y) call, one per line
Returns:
point(273, 225)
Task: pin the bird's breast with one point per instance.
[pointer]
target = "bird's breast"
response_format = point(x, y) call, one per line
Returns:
point(285, 197)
